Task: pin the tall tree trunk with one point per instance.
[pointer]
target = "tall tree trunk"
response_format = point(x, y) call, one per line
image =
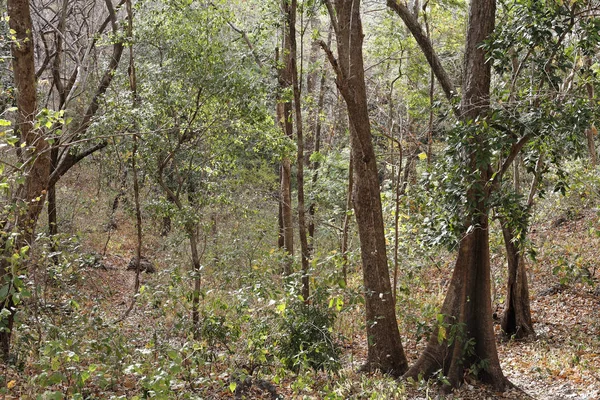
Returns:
point(466, 338)
point(30, 196)
point(192, 231)
point(315, 119)
point(284, 116)
point(384, 346)
point(291, 14)
point(52, 212)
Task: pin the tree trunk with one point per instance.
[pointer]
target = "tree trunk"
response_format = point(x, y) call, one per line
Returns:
point(315, 119)
point(52, 214)
point(591, 131)
point(384, 346)
point(346, 223)
point(280, 237)
point(31, 195)
point(516, 319)
point(292, 8)
point(192, 231)
point(466, 335)
point(284, 116)
point(465, 341)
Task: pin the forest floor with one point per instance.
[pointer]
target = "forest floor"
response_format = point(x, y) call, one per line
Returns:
point(561, 362)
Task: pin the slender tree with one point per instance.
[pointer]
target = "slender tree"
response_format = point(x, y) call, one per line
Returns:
point(291, 10)
point(284, 116)
point(385, 350)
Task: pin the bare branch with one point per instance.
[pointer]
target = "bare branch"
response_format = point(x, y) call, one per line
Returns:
point(424, 43)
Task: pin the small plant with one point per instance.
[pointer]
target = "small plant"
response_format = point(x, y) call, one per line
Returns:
point(307, 338)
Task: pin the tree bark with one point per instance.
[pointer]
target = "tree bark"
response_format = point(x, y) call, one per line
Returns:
point(346, 223)
point(31, 195)
point(284, 116)
point(291, 14)
point(516, 318)
point(384, 346)
point(315, 119)
point(591, 131)
point(465, 340)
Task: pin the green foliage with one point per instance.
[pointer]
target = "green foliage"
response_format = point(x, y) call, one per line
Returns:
point(307, 339)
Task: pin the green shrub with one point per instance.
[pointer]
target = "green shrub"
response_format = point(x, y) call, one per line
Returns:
point(307, 338)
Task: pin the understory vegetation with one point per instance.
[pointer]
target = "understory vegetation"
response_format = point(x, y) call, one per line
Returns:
point(299, 199)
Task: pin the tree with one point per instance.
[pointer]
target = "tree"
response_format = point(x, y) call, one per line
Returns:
point(464, 338)
point(29, 198)
point(291, 10)
point(284, 116)
point(385, 350)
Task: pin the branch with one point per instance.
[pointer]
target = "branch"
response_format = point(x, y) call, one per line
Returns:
point(248, 43)
point(514, 151)
point(71, 159)
point(334, 22)
point(536, 178)
point(332, 60)
point(426, 47)
point(66, 162)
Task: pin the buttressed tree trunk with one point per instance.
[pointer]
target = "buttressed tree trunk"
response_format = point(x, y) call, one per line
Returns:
point(30, 196)
point(465, 340)
point(385, 350)
point(516, 318)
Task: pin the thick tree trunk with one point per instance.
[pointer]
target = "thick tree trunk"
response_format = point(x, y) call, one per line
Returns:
point(385, 350)
point(465, 341)
point(516, 319)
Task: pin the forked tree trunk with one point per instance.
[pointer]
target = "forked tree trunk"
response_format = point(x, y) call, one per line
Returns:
point(516, 319)
point(384, 346)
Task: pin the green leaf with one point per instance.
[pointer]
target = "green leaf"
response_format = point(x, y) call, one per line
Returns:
point(441, 334)
point(232, 386)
